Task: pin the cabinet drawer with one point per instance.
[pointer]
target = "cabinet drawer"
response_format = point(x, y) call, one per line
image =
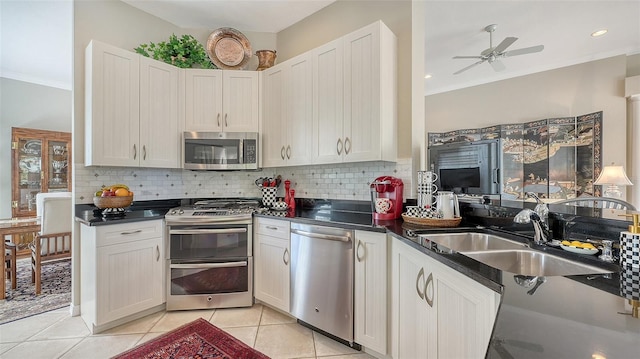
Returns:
point(273, 227)
point(121, 233)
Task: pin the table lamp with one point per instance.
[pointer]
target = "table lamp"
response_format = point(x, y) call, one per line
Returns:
point(613, 176)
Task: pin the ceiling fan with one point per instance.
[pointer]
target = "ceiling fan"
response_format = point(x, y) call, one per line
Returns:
point(492, 55)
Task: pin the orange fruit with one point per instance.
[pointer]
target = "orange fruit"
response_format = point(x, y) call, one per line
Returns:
point(121, 192)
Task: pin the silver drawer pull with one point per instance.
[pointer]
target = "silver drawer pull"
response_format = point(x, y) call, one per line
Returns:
point(426, 285)
point(209, 265)
point(272, 228)
point(213, 231)
point(132, 232)
point(420, 274)
point(321, 236)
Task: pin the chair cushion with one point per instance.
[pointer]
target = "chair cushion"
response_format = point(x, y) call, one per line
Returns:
point(56, 213)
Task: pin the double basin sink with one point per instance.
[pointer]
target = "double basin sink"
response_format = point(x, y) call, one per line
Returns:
point(506, 255)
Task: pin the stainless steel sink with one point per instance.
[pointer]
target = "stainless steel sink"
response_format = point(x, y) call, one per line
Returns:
point(462, 242)
point(532, 263)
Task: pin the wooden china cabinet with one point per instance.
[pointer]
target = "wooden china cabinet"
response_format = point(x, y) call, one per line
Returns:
point(41, 162)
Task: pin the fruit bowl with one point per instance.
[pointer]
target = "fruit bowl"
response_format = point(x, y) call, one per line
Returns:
point(113, 201)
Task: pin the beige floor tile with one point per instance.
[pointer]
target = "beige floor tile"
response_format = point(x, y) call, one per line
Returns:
point(245, 334)
point(326, 346)
point(138, 326)
point(349, 356)
point(272, 316)
point(148, 337)
point(70, 327)
point(174, 319)
point(41, 349)
point(96, 347)
point(23, 329)
point(6, 346)
point(237, 317)
point(285, 341)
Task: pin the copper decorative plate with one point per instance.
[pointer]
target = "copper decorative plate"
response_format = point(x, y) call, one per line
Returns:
point(228, 48)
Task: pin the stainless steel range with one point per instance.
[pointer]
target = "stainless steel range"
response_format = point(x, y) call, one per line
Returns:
point(210, 255)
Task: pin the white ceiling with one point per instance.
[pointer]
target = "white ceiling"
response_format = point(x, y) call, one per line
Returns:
point(451, 28)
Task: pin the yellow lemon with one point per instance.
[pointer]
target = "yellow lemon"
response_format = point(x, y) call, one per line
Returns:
point(576, 243)
point(565, 243)
point(588, 246)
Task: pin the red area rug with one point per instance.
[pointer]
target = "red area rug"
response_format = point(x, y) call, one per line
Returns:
point(198, 339)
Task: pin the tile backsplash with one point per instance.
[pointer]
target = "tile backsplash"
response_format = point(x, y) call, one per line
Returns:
point(338, 181)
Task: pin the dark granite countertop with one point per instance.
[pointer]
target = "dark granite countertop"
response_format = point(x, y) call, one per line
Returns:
point(570, 317)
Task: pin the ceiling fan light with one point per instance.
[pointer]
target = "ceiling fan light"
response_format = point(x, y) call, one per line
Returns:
point(599, 33)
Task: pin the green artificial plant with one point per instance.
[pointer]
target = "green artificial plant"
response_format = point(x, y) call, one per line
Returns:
point(184, 52)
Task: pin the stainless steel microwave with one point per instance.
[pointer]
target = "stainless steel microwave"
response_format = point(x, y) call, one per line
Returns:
point(219, 151)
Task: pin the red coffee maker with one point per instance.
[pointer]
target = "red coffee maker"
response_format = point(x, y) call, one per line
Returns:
point(386, 198)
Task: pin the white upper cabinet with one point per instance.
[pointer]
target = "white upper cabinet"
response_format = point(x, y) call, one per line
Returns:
point(370, 94)
point(160, 114)
point(287, 113)
point(221, 100)
point(132, 109)
point(112, 115)
point(328, 96)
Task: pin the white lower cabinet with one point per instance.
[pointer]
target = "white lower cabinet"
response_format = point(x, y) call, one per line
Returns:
point(436, 311)
point(122, 272)
point(370, 290)
point(272, 257)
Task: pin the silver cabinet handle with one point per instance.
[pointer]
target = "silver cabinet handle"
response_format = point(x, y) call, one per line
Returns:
point(212, 231)
point(285, 256)
point(339, 146)
point(282, 152)
point(226, 124)
point(157, 253)
point(358, 251)
point(132, 232)
point(209, 265)
point(426, 284)
point(272, 228)
point(135, 152)
point(321, 236)
point(288, 152)
point(144, 152)
point(347, 146)
point(420, 274)
point(218, 117)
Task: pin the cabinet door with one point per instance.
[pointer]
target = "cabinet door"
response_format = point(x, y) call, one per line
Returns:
point(414, 332)
point(466, 312)
point(111, 106)
point(370, 291)
point(328, 139)
point(129, 278)
point(272, 271)
point(273, 117)
point(159, 118)
point(272, 257)
point(240, 101)
point(299, 110)
point(203, 100)
point(370, 91)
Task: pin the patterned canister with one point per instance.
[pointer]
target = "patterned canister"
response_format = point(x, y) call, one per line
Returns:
point(269, 196)
point(629, 250)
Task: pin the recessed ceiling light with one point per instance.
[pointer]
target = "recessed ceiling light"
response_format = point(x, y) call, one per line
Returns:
point(599, 33)
point(427, 76)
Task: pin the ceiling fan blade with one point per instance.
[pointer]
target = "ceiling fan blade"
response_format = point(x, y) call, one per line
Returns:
point(468, 57)
point(526, 50)
point(468, 67)
point(497, 65)
point(504, 44)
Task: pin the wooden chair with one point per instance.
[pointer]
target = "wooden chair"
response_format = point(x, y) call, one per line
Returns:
point(598, 202)
point(9, 265)
point(53, 242)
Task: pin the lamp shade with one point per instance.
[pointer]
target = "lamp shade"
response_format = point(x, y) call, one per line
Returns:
point(613, 175)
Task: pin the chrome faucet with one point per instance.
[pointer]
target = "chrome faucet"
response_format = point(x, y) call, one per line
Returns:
point(541, 229)
point(541, 208)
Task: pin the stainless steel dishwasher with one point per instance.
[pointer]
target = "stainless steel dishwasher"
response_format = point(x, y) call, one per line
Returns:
point(322, 278)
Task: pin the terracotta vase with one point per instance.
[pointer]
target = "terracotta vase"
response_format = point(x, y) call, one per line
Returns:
point(266, 59)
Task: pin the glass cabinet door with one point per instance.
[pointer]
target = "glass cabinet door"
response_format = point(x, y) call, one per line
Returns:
point(41, 163)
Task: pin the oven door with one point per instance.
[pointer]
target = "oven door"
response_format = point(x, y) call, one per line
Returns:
point(208, 242)
point(215, 284)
